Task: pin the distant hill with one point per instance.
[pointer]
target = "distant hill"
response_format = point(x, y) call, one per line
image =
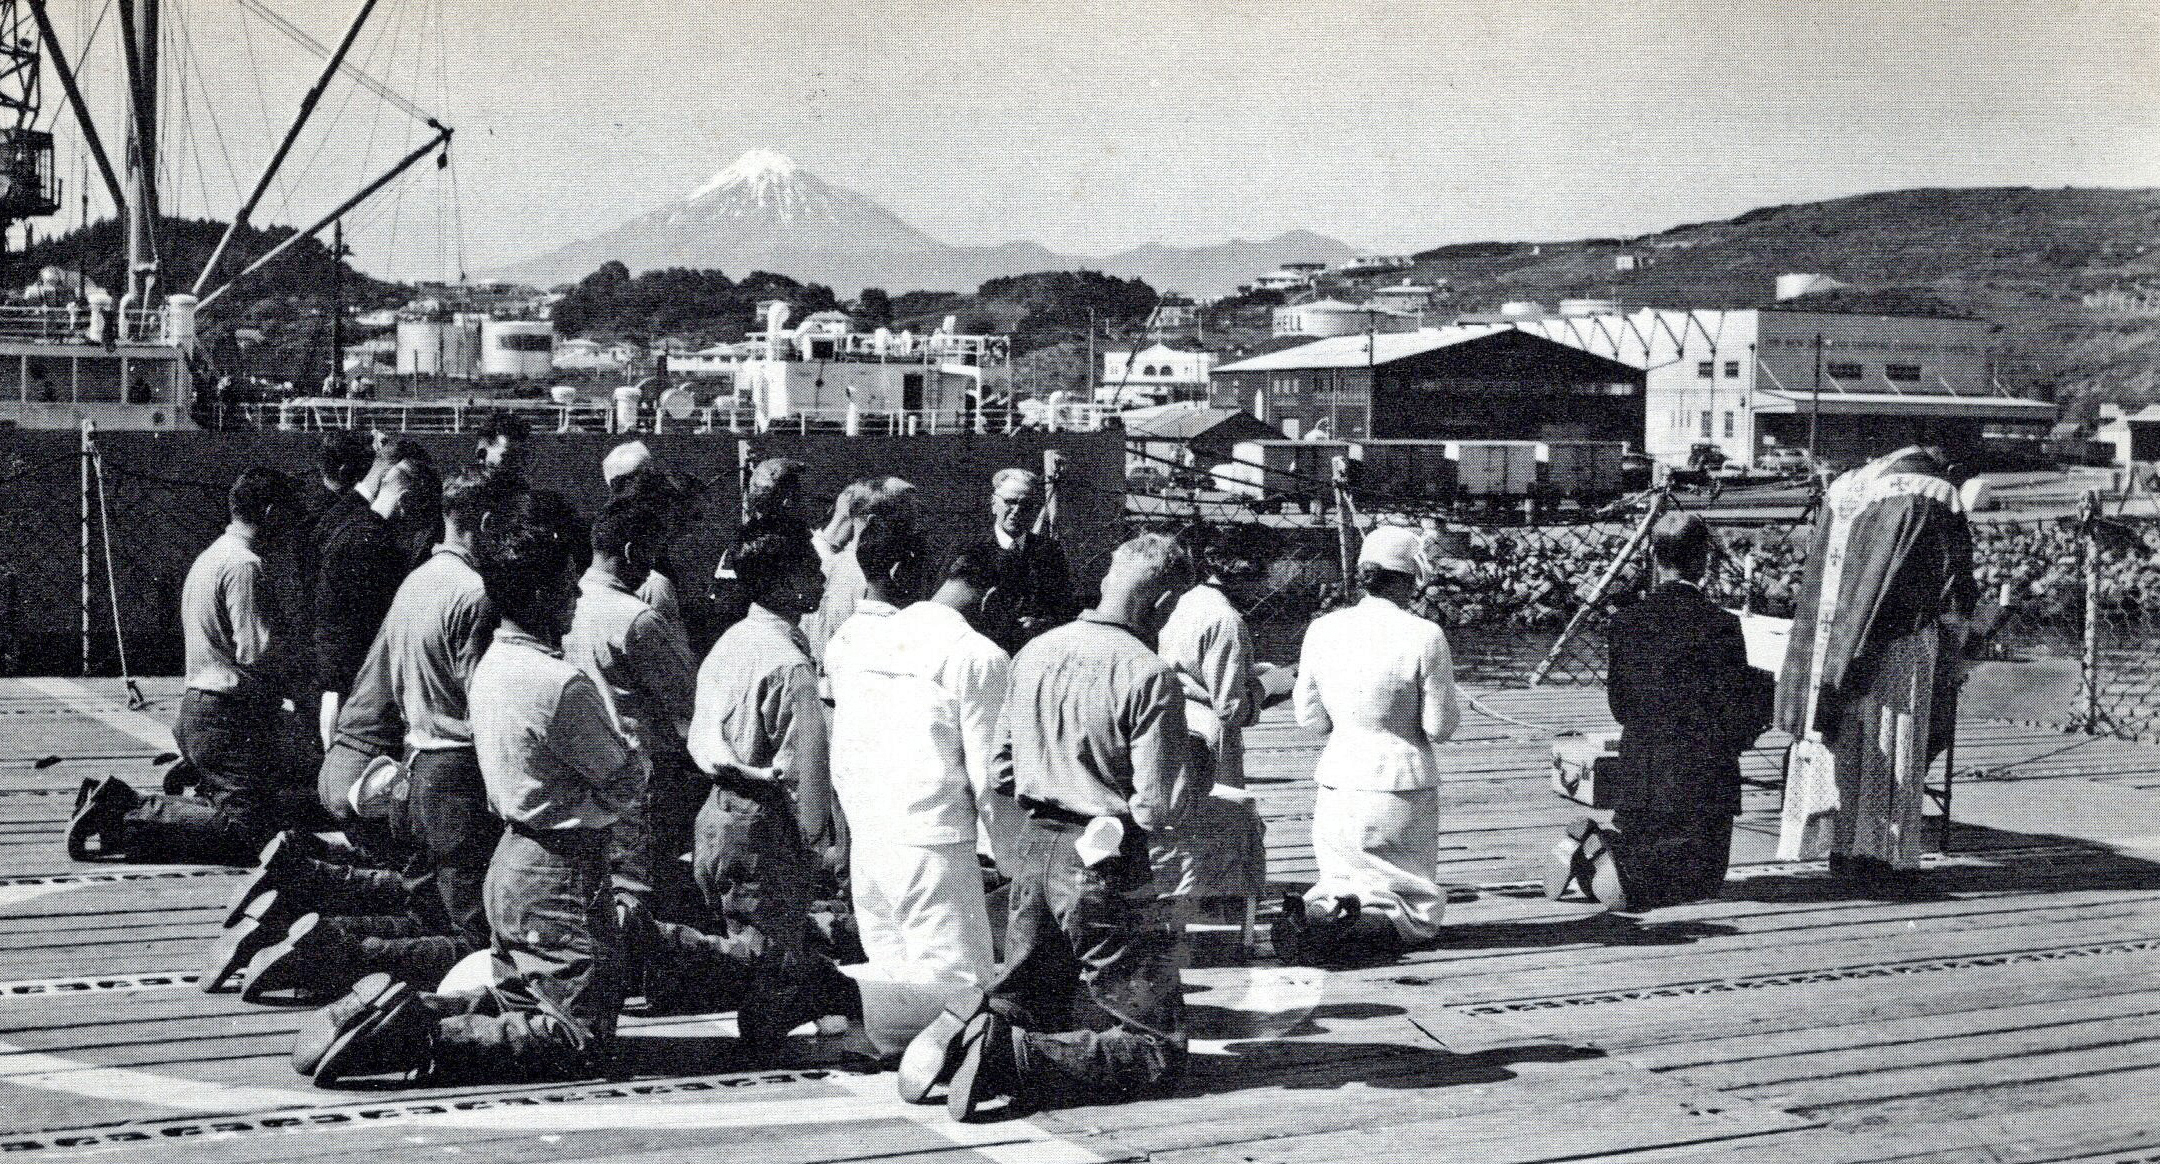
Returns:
point(303, 273)
point(2027, 259)
point(766, 213)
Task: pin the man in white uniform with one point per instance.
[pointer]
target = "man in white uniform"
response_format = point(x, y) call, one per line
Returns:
point(916, 697)
point(1378, 680)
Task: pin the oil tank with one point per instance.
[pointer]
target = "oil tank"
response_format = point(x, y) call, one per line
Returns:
point(1578, 307)
point(1523, 309)
point(439, 347)
point(519, 348)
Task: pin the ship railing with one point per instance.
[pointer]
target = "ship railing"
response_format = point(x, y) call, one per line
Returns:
point(316, 414)
point(72, 323)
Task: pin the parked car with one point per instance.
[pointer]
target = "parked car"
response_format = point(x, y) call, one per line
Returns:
point(1783, 459)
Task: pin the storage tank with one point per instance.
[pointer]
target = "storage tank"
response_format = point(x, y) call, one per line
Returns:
point(1494, 468)
point(1793, 286)
point(1522, 309)
point(439, 347)
point(1589, 307)
point(519, 348)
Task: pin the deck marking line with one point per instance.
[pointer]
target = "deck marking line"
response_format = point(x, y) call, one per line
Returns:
point(1808, 977)
point(82, 701)
point(548, 1113)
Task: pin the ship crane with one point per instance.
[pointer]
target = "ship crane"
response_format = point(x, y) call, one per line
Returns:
point(28, 188)
point(136, 192)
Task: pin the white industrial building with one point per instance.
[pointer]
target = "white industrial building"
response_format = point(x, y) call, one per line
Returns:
point(1159, 374)
point(1847, 385)
point(1323, 318)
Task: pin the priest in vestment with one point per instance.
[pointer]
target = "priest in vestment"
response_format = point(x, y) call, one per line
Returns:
point(1869, 686)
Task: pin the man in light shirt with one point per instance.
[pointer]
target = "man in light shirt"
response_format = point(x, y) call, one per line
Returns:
point(844, 586)
point(1089, 1004)
point(760, 843)
point(438, 627)
point(916, 694)
point(560, 776)
point(1377, 679)
point(230, 622)
point(644, 668)
point(1207, 640)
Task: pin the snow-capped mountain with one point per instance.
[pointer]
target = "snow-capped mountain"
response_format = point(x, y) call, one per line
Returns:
point(764, 212)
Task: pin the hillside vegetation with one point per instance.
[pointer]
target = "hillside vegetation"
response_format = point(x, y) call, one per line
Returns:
point(2024, 258)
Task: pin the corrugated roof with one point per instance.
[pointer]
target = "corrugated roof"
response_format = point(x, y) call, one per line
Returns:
point(1183, 422)
point(1348, 351)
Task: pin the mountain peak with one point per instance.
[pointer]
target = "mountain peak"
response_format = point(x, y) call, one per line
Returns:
point(756, 169)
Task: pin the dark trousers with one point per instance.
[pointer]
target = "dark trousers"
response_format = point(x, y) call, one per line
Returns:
point(558, 963)
point(454, 837)
point(674, 796)
point(1670, 858)
point(760, 879)
point(231, 742)
point(1091, 980)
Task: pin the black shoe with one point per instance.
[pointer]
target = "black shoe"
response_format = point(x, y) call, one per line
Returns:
point(380, 1026)
point(1288, 934)
point(265, 920)
point(1568, 868)
point(274, 868)
point(309, 961)
point(100, 806)
point(179, 779)
point(985, 1069)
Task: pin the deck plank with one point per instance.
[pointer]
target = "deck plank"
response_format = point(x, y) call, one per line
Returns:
point(2006, 1011)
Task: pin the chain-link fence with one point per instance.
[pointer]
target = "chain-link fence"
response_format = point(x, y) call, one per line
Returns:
point(1520, 595)
point(1531, 598)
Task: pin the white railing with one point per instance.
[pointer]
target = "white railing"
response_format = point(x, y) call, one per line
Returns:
point(315, 414)
point(71, 324)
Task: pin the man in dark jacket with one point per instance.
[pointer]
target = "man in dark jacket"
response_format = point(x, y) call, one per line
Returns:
point(1688, 704)
point(1034, 591)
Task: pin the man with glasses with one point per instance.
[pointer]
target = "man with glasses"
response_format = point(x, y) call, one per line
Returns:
point(1034, 582)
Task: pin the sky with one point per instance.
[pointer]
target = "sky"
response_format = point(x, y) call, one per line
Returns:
point(1094, 127)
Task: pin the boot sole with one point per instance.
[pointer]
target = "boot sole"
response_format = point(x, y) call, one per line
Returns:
point(264, 969)
point(963, 1096)
point(316, 1038)
point(933, 1055)
point(379, 1014)
point(237, 946)
point(256, 885)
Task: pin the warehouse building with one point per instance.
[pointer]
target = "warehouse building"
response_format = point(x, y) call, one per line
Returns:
point(1848, 386)
point(1482, 382)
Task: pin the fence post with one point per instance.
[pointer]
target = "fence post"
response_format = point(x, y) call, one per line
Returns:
point(83, 539)
point(1659, 499)
point(1346, 531)
point(1053, 474)
point(2089, 551)
point(745, 463)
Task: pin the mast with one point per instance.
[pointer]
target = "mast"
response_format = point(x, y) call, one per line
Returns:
point(139, 32)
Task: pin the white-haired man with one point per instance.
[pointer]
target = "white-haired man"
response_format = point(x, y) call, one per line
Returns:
point(1034, 586)
point(1089, 1003)
point(1378, 680)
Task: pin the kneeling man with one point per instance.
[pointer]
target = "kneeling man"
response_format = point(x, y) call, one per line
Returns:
point(1688, 704)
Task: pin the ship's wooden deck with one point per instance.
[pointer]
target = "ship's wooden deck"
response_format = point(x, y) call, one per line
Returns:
point(2008, 1011)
